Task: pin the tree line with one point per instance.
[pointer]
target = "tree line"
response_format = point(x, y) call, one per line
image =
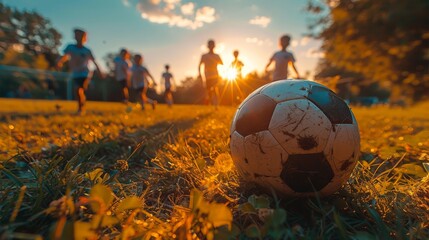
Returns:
point(372, 48)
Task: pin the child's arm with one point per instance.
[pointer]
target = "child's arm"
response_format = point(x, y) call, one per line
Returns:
point(96, 66)
point(294, 68)
point(61, 61)
point(199, 68)
point(151, 77)
point(268, 65)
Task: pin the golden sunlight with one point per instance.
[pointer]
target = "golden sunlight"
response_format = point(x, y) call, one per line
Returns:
point(229, 73)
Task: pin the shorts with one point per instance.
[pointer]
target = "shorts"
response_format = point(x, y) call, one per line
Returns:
point(81, 82)
point(124, 83)
point(212, 82)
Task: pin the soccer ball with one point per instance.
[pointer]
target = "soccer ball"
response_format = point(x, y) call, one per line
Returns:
point(296, 137)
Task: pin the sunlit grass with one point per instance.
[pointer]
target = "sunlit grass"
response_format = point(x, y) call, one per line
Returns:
point(159, 156)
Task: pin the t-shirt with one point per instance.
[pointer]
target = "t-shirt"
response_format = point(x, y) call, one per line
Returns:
point(79, 59)
point(121, 68)
point(138, 76)
point(210, 61)
point(167, 78)
point(238, 65)
point(281, 59)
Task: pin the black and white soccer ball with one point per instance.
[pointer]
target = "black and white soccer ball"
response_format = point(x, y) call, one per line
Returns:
point(296, 137)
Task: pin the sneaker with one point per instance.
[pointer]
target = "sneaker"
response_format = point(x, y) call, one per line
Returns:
point(154, 104)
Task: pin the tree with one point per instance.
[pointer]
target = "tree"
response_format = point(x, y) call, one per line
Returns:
point(386, 41)
point(110, 64)
point(30, 30)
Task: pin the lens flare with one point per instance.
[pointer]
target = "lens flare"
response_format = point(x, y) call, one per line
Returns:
point(230, 74)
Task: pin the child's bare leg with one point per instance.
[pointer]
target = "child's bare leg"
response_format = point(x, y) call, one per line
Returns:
point(125, 94)
point(81, 98)
point(141, 99)
point(169, 98)
point(216, 96)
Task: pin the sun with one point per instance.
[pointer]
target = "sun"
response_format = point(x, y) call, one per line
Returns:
point(230, 74)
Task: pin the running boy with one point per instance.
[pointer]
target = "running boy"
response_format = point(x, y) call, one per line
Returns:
point(140, 82)
point(79, 57)
point(122, 75)
point(210, 61)
point(168, 80)
point(282, 60)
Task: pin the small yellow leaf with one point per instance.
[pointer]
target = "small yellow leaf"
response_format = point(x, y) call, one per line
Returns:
point(94, 174)
point(195, 199)
point(412, 169)
point(103, 221)
point(82, 231)
point(128, 232)
point(101, 197)
point(220, 215)
point(132, 202)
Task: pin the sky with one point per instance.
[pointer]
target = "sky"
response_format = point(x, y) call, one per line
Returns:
point(175, 32)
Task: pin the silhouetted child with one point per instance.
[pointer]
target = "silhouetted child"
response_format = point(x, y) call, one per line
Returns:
point(282, 60)
point(79, 57)
point(122, 72)
point(210, 61)
point(140, 82)
point(168, 80)
point(237, 64)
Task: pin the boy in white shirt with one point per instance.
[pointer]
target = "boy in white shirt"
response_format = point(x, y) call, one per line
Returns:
point(140, 82)
point(282, 60)
point(79, 57)
point(122, 73)
point(210, 61)
point(168, 80)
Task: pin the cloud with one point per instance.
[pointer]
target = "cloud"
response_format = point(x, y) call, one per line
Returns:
point(260, 20)
point(294, 43)
point(174, 13)
point(300, 42)
point(304, 41)
point(205, 14)
point(258, 41)
point(314, 53)
point(187, 8)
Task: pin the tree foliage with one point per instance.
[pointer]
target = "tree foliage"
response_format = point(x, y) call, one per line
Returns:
point(386, 41)
point(29, 32)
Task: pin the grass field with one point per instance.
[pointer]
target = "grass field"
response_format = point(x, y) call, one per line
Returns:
point(123, 173)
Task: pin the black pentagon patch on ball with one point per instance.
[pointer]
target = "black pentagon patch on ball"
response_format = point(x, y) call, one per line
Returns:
point(334, 107)
point(307, 172)
point(255, 115)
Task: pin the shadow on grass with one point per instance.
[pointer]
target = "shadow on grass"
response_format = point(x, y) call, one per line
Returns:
point(31, 181)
